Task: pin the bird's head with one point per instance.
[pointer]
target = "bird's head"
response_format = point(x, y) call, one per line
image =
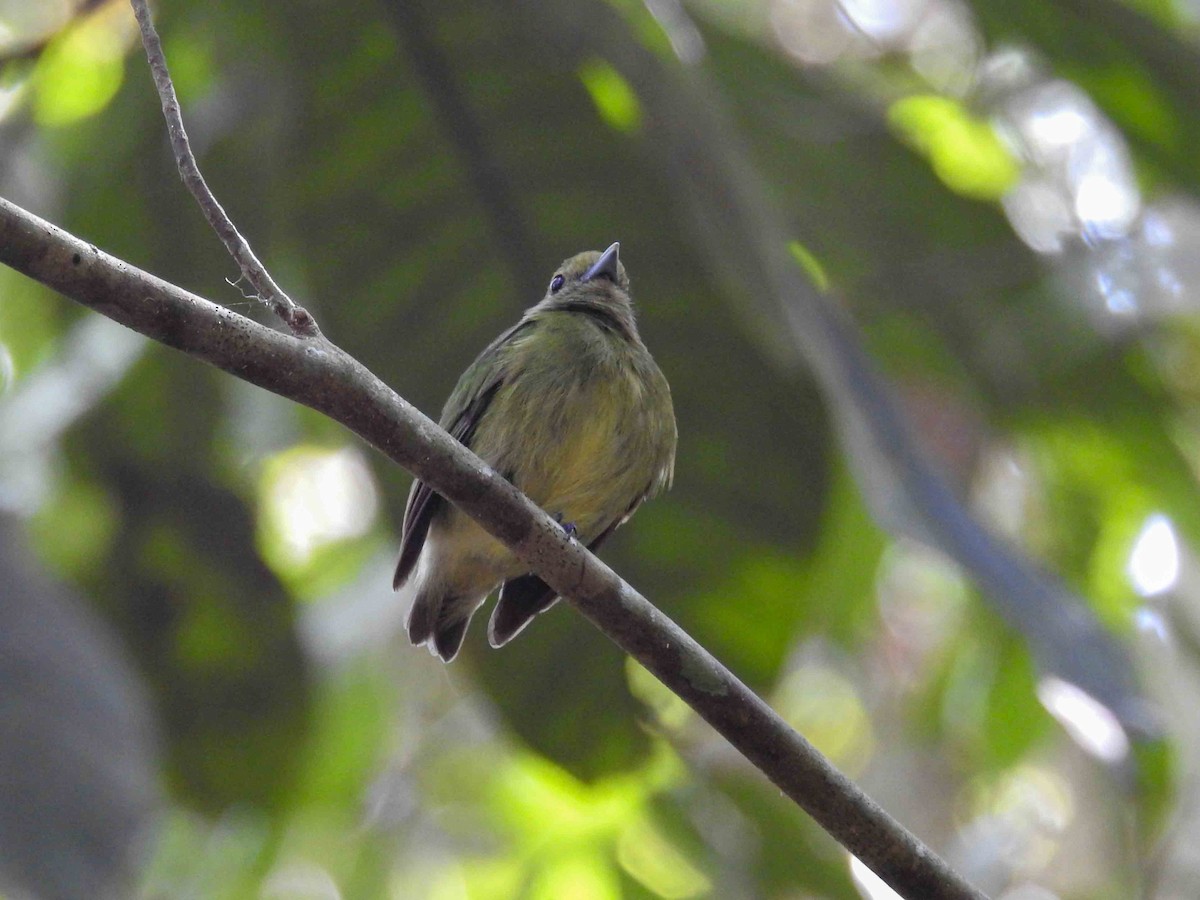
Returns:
point(591, 277)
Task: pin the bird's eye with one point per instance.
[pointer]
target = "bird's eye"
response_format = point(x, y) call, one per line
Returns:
point(556, 284)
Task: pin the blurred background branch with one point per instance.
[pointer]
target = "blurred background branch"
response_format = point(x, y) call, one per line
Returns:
point(511, 237)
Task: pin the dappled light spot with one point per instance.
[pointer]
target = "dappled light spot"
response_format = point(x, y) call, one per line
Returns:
point(1117, 294)
point(1151, 273)
point(82, 69)
point(922, 599)
point(826, 708)
point(598, 829)
point(12, 92)
point(1079, 181)
point(945, 48)
point(8, 369)
point(1150, 621)
point(646, 854)
point(882, 20)
point(23, 21)
point(939, 36)
point(580, 876)
point(1107, 200)
point(1154, 563)
point(871, 885)
point(312, 497)
point(1055, 118)
point(815, 32)
point(1039, 214)
point(442, 876)
point(535, 795)
point(300, 880)
point(1089, 722)
point(1020, 815)
point(1006, 489)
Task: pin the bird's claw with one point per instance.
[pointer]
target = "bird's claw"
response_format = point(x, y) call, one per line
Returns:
point(568, 527)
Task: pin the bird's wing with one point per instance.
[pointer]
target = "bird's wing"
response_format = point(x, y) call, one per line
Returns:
point(467, 404)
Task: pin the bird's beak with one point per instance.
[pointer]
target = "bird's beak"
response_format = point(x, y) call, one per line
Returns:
point(606, 265)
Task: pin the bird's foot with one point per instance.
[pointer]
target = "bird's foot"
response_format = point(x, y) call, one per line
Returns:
point(568, 527)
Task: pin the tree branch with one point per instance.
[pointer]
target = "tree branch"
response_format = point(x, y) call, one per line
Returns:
point(293, 315)
point(318, 374)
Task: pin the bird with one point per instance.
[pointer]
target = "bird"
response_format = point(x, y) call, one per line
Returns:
point(571, 408)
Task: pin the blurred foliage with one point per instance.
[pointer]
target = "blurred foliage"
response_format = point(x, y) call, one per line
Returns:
point(412, 172)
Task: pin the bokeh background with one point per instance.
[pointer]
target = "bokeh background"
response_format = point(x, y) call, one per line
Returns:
point(204, 691)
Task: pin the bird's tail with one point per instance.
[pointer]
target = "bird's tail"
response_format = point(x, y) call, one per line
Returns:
point(439, 619)
point(520, 600)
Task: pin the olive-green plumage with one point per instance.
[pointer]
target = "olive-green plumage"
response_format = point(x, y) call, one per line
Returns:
point(568, 405)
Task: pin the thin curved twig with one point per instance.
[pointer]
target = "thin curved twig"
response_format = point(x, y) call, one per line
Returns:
point(293, 315)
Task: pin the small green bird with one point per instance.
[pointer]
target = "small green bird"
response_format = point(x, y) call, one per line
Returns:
point(570, 407)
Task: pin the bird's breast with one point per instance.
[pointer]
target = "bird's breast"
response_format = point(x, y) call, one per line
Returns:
point(575, 435)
